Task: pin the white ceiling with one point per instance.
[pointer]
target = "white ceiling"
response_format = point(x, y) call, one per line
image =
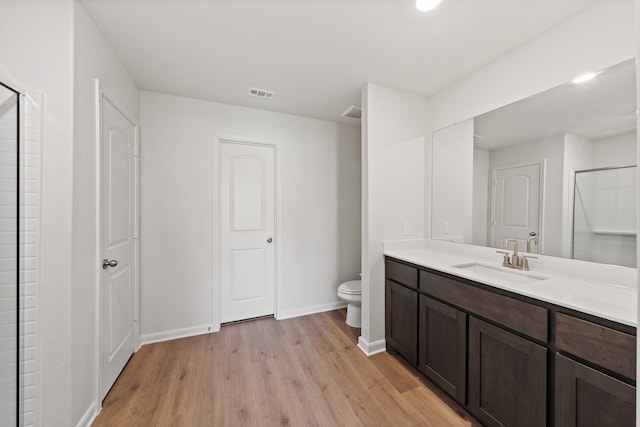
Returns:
point(315, 54)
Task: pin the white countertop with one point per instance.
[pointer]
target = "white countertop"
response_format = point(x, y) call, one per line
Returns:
point(608, 300)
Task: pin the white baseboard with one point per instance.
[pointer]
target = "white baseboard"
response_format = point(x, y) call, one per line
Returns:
point(288, 314)
point(175, 334)
point(89, 417)
point(205, 329)
point(370, 349)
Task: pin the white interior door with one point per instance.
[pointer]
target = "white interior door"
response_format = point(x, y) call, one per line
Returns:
point(516, 205)
point(247, 192)
point(117, 206)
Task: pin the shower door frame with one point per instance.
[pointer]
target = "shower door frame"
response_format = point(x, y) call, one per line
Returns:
point(17, 246)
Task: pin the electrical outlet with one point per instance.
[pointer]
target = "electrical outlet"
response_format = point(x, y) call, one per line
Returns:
point(445, 227)
point(406, 229)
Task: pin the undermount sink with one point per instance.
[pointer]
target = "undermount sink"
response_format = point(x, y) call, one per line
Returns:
point(499, 273)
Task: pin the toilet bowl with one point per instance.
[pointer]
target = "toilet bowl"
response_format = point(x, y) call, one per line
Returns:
point(351, 293)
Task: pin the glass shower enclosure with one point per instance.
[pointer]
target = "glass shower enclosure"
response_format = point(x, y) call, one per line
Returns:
point(10, 356)
point(604, 220)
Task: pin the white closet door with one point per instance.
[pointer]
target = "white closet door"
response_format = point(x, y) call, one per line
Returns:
point(248, 231)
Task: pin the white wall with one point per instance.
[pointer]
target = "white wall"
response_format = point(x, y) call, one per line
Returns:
point(578, 154)
point(93, 59)
point(320, 209)
point(394, 132)
point(452, 195)
point(481, 194)
point(616, 150)
point(36, 48)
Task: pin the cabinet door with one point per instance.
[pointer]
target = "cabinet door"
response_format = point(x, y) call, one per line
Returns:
point(507, 377)
point(585, 397)
point(442, 346)
point(401, 320)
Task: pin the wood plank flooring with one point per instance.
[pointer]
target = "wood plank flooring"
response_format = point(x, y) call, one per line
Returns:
point(294, 372)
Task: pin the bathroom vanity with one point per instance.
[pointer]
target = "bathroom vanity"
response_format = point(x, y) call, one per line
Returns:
point(540, 349)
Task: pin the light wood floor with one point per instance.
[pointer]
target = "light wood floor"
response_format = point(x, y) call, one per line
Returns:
point(302, 371)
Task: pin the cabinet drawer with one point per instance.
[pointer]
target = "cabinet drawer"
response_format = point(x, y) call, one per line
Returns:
point(401, 273)
point(518, 315)
point(606, 347)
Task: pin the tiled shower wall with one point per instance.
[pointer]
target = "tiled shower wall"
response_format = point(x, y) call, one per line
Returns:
point(29, 253)
point(31, 134)
point(8, 239)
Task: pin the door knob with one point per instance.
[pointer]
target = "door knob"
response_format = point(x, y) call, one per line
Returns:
point(269, 240)
point(106, 263)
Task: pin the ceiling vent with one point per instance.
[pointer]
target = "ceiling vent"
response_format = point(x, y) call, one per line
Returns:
point(353, 112)
point(261, 93)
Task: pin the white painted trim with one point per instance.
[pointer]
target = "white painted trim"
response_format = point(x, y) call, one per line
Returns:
point(637, 33)
point(96, 343)
point(175, 334)
point(278, 158)
point(100, 93)
point(313, 309)
point(89, 417)
point(136, 244)
point(543, 206)
point(44, 111)
point(216, 232)
point(370, 349)
point(216, 226)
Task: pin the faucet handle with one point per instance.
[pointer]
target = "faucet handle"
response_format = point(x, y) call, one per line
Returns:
point(505, 260)
point(525, 261)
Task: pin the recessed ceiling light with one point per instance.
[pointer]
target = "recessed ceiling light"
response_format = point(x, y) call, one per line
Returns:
point(426, 5)
point(583, 78)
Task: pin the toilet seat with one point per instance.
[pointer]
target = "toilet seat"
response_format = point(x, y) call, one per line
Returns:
point(352, 287)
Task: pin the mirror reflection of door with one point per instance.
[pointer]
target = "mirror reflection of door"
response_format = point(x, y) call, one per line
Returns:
point(516, 205)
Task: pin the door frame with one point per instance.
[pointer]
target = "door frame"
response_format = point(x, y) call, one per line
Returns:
point(216, 226)
point(541, 202)
point(100, 93)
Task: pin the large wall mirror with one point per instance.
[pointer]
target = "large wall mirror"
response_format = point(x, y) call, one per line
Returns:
point(556, 171)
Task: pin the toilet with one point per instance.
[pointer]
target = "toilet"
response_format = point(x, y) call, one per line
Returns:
point(351, 293)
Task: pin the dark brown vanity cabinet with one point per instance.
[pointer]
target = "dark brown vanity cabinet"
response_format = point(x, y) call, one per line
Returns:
point(401, 313)
point(508, 359)
point(442, 346)
point(591, 396)
point(507, 377)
